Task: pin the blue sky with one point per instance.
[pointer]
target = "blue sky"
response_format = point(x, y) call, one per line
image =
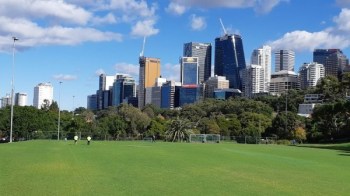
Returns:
point(73, 41)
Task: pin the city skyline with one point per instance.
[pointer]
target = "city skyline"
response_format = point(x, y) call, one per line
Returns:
point(75, 41)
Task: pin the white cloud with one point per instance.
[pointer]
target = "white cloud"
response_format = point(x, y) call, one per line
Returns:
point(31, 34)
point(70, 22)
point(63, 77)
point(343, 20)
point(198, 23)
point(144, 28)
point(176, 9)
point(44, 9)
point(261, 6)
point(108, 19)
point(336, 36)
point(128, 68)
point(171, 71)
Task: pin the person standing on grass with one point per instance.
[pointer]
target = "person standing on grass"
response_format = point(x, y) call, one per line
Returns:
point(75, 139)
point(88, 140)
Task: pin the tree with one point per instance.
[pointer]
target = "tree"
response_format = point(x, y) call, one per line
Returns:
point(300, 134)
point(284, 125)
point(179, 130)
point(254, 124)
point(208, 126)
point(330, 87)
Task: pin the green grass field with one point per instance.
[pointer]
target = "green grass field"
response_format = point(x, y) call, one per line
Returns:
point(144, 168)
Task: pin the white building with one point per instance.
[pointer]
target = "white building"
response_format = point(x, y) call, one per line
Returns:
point(21, 99)
point(262, 57)
point(309, 74)
point(284, 60)
point(213, 83)
point(253, 80)
point(42, 92)
point(5, 101)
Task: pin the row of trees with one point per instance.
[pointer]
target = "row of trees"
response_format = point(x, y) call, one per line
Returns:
point(262, 116)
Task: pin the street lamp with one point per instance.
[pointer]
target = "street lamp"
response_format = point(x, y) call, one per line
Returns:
point(12, 85)
point(73, 107)
point(59, 112)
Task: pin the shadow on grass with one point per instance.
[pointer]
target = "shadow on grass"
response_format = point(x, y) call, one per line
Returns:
point(344, 149)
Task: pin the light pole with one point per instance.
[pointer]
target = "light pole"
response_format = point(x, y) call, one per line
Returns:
point(59, 112)
point(12, 85)
point(286, 108)
point(73, 107)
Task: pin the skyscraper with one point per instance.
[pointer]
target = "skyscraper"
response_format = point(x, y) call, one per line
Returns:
point(254, 80)
point(43, 93)
point(123, 87)
point(284, 60)
point(229, 59)
point(92, 102)
point(149, 72)
point(262, 57)
point(103, 93)
point(203, 52)
point(309, 74)
point(189, 70)
point(21, 99)
point(333, 60)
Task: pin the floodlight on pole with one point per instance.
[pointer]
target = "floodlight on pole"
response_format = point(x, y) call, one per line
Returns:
point(59, 112)
point(12, 85)
point(73, 107)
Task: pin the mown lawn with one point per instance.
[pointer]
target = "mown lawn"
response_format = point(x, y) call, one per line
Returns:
point(144, 168)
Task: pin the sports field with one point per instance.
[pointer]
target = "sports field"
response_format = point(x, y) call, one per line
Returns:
point(144, 168)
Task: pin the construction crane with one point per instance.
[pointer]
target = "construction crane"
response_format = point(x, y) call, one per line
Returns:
point(143, 47)
point(223, 27)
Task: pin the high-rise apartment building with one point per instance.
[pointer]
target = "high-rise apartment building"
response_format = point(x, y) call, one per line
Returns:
point(284, 60)
point(43, 93)
point(229, 59)
point(214, 83)
point(309, 74)
point(21, 99)
point(5, 101)
point(149, 72)
point(254, 80)
point(189, 70)
point(333, 60)
point(203, 52)
point(262, 57)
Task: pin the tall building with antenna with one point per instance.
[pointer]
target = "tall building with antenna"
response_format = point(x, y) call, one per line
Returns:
point(149, 72)
point(229, 58)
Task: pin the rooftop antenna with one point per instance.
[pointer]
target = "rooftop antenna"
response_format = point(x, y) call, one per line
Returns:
point(143, 46)
point(223, 27)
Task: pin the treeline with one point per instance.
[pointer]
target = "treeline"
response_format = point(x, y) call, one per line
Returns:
point(264, 116)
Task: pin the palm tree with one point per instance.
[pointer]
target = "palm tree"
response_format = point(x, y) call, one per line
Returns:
point(179, 130)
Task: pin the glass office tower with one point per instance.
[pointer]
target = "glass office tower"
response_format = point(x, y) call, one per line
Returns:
point(229, 59)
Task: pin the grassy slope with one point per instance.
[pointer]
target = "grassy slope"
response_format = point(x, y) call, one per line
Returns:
point(142, 168)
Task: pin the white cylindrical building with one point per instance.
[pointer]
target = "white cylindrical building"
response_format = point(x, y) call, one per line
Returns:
point(21, 99)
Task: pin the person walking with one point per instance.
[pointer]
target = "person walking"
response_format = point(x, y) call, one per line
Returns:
point(88, 140)
point(75, 139)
